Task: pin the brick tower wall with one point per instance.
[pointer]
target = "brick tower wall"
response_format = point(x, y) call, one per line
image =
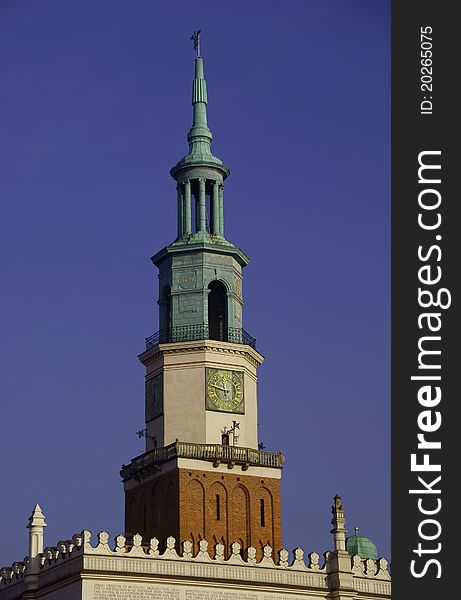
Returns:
point(152, 508)
point(219, 507)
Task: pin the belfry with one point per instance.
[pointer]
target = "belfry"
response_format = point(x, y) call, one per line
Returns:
point(203, 475)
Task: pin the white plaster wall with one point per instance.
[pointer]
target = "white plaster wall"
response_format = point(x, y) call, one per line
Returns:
point(184, 402)
point(184, 387)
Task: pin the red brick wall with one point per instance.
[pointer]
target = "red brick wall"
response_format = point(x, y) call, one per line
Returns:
point(184, 504)
point(158, 499)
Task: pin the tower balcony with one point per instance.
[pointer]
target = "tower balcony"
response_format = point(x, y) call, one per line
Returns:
point(149, 462)
point(189, 333)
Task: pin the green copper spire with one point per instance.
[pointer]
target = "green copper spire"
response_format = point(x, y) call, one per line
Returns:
point(200, 272)
point(200, 179)
point(199, 136)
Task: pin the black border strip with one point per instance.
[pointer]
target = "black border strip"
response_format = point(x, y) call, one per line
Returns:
point(415, 131)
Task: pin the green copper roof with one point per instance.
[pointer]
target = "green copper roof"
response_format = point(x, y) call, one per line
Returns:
point(361, 545)
point(199, 136)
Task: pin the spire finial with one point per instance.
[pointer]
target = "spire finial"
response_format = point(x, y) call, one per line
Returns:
point(36, 519)
point(338, 521)
point(195, 37)
point(36, 526)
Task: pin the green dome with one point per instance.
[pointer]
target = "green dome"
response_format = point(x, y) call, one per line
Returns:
point(361, 545)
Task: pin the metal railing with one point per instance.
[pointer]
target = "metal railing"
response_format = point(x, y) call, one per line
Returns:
point(215, 453)
point(188, 333)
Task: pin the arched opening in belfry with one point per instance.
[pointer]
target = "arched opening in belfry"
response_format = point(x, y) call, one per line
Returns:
point(217, 311)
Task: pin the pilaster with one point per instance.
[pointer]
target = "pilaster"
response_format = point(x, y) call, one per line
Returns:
point(36, 527)
point(339, 569)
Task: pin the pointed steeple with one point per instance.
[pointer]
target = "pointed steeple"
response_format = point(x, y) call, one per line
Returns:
point(200, 176)
point(199, 136)
point(200, 180)
point(36, 526)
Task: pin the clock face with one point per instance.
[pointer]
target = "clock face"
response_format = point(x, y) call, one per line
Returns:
point(224, 390)
point(154, 397)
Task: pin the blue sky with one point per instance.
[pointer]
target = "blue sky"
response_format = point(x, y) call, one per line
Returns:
point(94, 110)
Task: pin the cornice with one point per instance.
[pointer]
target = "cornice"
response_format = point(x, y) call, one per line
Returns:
point(253, 356)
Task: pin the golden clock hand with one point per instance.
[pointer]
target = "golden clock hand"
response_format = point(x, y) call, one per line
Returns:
point(217, 387)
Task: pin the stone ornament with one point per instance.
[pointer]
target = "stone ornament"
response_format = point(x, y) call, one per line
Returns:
point(266, 560)
point(203, 554)
point(153, 547)
point(314, 561)
point(219, 553)
point(187, 549)
point(81, 543)
point(120, 542)
point(298, 562)
point(251, 555)
point(357, 566)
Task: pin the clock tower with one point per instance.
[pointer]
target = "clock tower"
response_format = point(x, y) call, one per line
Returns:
point(203, 474)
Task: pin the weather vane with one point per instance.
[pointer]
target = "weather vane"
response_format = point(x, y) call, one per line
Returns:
point(196, 39)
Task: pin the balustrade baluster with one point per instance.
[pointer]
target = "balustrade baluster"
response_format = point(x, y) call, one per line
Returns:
point(203, 452)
